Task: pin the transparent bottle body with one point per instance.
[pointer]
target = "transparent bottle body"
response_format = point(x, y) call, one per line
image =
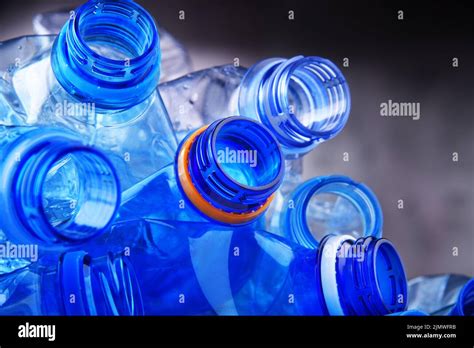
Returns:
point(141, 137)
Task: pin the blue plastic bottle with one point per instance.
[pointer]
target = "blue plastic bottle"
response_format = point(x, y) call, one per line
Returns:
point(226, 172)
point(55, 191)
point(75, 285)
point(325, 205)
point(190, 268)
point(98, 77)
point(447, 294)
point(175, 59)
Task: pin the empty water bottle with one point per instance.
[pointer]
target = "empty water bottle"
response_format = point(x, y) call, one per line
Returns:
point(54, 189)
point(190, 268)
point(448, 294)
point(226, 172)
point(98, 77)
point(75, 285)
point(325, 205)
point(175, 59)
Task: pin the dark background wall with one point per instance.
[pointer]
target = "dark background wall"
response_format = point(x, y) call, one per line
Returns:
point(405, 61)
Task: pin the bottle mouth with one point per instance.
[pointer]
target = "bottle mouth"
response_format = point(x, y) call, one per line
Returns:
point(101, 286)
point(230, 169)
point(303, 100)
point(108, 53)
point(331, 205)
point(465, 303)
point(362, 277)
point(65, 192)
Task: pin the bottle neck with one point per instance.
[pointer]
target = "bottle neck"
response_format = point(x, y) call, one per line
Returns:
point(302, 100)
point(230, 169)
point(108, 54)
point(331, 205)
point(60, 190)
point(361, 277)
point(99, 286)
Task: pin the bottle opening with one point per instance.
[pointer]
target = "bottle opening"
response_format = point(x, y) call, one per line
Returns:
point(303, 100)
point(245, 154)
point(99, 30)
point(230, 169)
point(108, 53)
point(362, 277)
point(390, 277)
point(331, 205)
point(65, 192)
point(317, 96)
point(329, 212)
point(79, 195)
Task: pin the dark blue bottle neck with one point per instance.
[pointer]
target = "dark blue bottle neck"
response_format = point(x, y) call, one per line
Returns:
point(99, 286)
point(230, 169)
point(465, 302)
point(302, 100)
point(42, 168)
point(108, 54)
point(298, 216)
point(361, 277)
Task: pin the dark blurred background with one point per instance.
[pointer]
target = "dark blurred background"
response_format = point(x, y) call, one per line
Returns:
point(406, 60)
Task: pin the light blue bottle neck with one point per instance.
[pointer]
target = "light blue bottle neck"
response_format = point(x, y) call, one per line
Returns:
point(108, 54)
point(105, 285)
point(303, 100)
point(330, 205)
point(362, 276)
point(56, 191)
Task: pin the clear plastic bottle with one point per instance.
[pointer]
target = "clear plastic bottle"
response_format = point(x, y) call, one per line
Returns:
point(55, 191)
point(192, 268)
point(447, 294)
point(325, 205)
point(98, 77)
point(175, 59)
point(75, 285)
point(225, 172)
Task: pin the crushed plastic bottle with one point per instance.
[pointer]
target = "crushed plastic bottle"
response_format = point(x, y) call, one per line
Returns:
point(447, 294)
point(101, 86)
